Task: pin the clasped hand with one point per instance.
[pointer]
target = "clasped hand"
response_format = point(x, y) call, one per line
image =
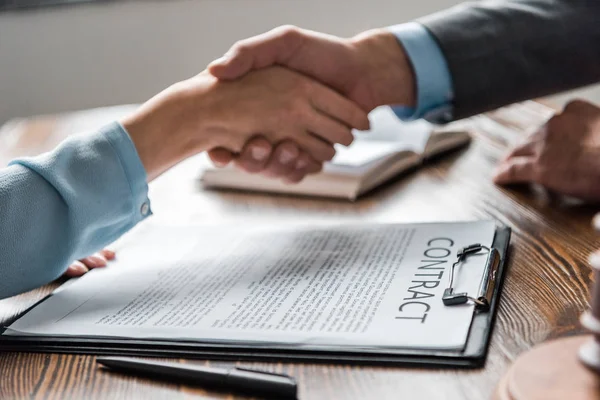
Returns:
point(205, 113)
point(370, 69)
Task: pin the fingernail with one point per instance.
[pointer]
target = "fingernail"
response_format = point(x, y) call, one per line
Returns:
point(102, 261)
point(301, 164)
point(286, 156)
point(108, 254)
point(80, 268)
point(260, 153)
point(96, 261)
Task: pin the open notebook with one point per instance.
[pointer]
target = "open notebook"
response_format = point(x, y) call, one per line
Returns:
point(376, 156)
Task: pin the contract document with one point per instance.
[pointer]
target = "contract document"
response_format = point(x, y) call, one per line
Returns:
point(373, 287)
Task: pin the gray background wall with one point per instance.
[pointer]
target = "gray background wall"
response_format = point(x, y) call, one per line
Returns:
point(68, 58)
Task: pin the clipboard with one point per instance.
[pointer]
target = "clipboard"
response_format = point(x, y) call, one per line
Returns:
point(472, 356)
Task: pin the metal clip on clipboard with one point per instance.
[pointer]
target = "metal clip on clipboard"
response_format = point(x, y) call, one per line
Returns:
point(488, 283)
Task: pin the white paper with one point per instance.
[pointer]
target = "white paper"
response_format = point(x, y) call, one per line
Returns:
point(388, 135)
point(387, 127)
point(361, 286)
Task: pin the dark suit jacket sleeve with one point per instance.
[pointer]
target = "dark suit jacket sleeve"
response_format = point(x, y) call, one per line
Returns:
point(500, 52)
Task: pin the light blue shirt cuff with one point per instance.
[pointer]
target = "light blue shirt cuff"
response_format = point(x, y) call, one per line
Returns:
point(433, 80)
point(132, 166)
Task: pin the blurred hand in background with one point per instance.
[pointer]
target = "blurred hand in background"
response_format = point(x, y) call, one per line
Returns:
point(563, 155)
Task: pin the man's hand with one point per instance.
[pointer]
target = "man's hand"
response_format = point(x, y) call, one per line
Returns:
point(563, 155)
point(371, 69)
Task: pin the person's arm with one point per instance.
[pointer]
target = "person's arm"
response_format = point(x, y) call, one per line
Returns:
point(67, 204)
point(501, 52)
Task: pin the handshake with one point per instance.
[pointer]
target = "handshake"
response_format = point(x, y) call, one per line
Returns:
point(276, 103)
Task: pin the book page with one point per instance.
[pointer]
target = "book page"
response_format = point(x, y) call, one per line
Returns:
point(387, 127)
point(371, 286)
point(388, 136)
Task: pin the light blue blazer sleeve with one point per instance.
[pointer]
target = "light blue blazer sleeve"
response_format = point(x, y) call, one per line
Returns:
point(67, 204)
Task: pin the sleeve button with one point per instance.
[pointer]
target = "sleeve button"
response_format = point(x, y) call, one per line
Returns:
point(145, 209)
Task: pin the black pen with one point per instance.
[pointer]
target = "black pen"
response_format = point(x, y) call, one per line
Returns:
point(236, 379)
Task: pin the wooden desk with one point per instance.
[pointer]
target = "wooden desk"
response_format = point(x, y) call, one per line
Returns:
point(546, 290)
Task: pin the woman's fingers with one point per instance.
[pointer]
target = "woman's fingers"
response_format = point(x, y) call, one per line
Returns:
point(77, 268)
point(98, 260)
point(108, 254)
point(94, 261)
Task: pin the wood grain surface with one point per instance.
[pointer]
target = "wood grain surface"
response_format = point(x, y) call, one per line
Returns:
point(551, 371)
point(546, 289)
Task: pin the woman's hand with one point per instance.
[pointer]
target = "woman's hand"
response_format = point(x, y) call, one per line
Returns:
point(203, 113)
point(98, 260)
